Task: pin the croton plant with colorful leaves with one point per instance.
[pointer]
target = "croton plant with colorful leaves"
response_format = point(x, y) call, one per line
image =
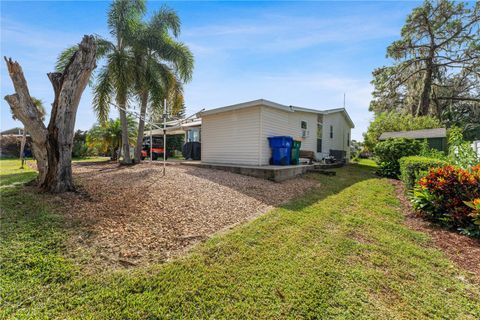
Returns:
point(450, 196)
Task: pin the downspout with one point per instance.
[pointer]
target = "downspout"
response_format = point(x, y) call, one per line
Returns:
point(260, 136)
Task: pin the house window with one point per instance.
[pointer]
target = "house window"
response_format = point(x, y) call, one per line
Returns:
point(348, 139)
point(331, 132)
point(303, 124)
point(193, 135)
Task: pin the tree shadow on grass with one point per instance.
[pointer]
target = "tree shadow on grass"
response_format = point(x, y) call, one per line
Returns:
point(331, 185)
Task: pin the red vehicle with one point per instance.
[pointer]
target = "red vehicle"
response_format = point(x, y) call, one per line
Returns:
point(157, 149)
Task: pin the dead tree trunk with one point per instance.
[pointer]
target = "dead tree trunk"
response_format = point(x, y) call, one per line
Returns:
point(24, 109)
point(22, 148)
point(52, 146)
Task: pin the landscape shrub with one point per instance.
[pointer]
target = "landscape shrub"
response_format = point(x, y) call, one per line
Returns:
point(388, 153)
point(460, 152)
point(448, 195)
point(428, 152)
point(412, 168)
point(475, 205)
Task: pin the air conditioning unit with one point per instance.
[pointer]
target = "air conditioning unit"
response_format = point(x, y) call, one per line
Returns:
point(305, 133)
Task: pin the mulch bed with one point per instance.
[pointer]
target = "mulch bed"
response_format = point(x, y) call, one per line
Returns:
point(124, 216)
point(463, 250)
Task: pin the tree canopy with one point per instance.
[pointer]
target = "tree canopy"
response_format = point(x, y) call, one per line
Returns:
point(394, 121)
point(436, 62)
point(435, 72)
point(106, 138)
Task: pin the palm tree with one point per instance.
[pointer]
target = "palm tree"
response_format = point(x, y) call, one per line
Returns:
point(107, 137)
point(146, 61)
point(161, 64)
point(115, 79)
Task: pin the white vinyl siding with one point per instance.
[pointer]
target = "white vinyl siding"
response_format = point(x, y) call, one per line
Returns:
point(283, 123)
point(231, 137)
point(240, 136)
point(341, 131)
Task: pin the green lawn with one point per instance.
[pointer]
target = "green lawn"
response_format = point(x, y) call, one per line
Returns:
point(91, 159)
point(341, 252)
point(367, 162)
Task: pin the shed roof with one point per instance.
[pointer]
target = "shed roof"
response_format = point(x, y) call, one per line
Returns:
point(264, 102)
point(415, 134)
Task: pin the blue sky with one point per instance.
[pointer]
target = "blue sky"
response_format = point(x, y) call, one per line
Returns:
point(295, 53)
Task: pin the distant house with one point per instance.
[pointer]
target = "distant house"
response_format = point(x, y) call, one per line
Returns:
point(10, 142)
point(237, 134)
point(18, 132)
point(436, 138)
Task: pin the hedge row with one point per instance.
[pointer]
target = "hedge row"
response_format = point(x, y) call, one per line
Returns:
point(388, 153)
point(414, 167)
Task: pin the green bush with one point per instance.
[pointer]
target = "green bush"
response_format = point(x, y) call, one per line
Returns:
point(388, 153)
point(460, 152)
point(450, 196)
point(412, 168)
point(428, 152)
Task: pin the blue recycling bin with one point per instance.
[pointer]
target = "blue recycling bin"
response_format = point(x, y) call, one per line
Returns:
point(281, 150)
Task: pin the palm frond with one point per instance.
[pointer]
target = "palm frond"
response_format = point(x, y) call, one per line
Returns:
point(178, 54)
point(124, 16)
point(166, 19)
point(102, 94)
point(104, 47)
point(65, 57)
point(121, 66)
point(159, 79)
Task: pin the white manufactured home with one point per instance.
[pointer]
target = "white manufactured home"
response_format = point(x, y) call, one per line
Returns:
point(238, 134)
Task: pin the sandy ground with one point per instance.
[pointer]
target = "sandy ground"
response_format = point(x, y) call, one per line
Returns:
point(129, 215)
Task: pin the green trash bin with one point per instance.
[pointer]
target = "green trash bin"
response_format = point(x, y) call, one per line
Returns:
point(295, 158)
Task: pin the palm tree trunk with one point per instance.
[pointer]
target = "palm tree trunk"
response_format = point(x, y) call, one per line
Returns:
point(124, 124)
point(22, 147)
point(141, 126)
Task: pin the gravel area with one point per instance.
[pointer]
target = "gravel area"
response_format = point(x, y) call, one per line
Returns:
point(128, 215)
